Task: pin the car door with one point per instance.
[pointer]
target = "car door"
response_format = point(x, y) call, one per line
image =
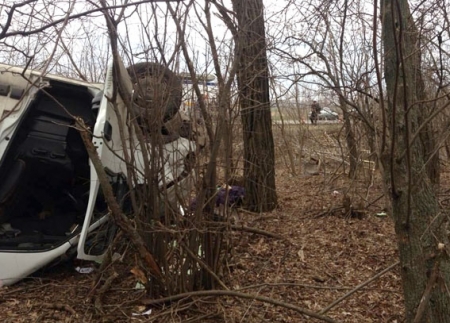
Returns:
point(107, 140)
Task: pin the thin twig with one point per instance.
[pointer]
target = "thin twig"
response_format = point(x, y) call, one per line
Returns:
point(106, 286)
point(239, 295)
point(375, 201)
point(427, 293)
point(205, 266)
point(257, 231)
point(59, 306)
point(357, 288)
point(265, 217)
point(329, 211)
point(312, 287)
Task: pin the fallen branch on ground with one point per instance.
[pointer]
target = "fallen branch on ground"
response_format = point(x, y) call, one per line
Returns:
point(328, 212)
point(257, 231)
point(265, 217)
point(360, 286)
point(58, 306)
point(239, 295)
point(106, 286)
point(272, 285)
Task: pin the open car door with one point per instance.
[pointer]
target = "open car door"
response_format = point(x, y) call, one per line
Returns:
point(107, 139)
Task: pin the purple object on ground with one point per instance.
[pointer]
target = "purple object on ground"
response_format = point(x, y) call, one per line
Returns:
point(235, 197)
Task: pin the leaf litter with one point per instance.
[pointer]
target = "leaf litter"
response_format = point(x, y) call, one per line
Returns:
point(326, 254)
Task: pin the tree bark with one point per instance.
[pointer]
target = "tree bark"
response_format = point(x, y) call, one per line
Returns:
point(419, 224)
point(253, 83)
point(350, 140)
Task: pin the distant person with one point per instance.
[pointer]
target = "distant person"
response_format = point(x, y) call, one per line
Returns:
point(315, 110)
point(313, 117)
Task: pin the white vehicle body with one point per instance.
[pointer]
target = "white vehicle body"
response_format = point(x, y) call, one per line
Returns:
point(43, 161)
point(328, 114)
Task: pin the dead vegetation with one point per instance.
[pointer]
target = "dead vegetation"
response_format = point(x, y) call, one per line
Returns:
point(316, 255)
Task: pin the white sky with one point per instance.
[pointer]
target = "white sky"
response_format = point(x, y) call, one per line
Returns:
point(86, 39)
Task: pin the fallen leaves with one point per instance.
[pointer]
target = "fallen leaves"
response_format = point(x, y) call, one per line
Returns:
point(323, 259)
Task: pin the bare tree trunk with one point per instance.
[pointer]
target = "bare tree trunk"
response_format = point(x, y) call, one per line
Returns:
point(419, 224)
point(253, 82)
point(350, 140)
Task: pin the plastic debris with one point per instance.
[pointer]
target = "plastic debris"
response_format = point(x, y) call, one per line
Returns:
point(148, 312)
point(139, 286)
point(84, 270)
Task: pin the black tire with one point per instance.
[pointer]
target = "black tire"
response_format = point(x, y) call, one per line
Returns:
point(156, 88)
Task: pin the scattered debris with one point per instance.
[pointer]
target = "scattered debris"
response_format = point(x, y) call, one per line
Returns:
point(85, 270)
point(148, 312)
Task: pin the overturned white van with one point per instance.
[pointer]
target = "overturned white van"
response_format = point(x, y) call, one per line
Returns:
point(50, 202)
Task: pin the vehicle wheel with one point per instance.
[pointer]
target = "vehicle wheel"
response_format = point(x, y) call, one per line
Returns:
point(157, 90)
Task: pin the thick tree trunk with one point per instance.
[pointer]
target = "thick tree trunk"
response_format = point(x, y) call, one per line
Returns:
point(419, 225)
point(253, 82)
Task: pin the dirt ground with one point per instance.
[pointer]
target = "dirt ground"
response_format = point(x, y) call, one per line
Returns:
point(328, 248)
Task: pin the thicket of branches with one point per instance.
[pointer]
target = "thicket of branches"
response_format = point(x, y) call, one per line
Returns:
point(337, 52)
